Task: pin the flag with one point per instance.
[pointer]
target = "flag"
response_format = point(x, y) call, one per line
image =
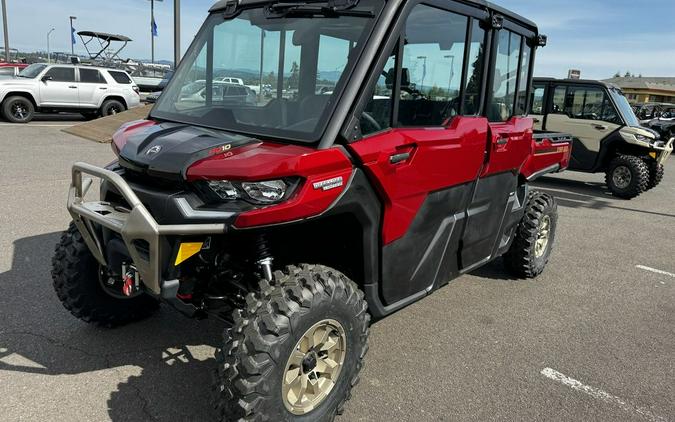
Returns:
point(72, 35)
point(154, 28)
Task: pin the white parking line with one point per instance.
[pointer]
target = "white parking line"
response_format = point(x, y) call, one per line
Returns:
point(38, 125)
point(600, 395)
point(654, 270)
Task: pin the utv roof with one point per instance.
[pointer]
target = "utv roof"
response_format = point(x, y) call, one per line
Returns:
point(224, 4)
point(578, 82)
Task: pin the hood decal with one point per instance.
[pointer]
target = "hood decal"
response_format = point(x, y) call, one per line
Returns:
point(168, 149)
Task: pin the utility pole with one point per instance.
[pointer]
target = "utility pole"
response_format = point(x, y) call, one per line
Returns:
point(424, 70)
point(72, 36)
point(6, 31)
point(49, 56)
point(176, 33)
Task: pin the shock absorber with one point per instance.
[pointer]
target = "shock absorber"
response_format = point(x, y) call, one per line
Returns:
point(265, 258)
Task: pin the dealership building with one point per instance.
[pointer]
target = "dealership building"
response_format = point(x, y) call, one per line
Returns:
point(646, 90)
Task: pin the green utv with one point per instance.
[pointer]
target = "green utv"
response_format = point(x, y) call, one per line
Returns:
point(607, 135)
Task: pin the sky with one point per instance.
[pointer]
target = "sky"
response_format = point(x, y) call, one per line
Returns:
point(599, 37)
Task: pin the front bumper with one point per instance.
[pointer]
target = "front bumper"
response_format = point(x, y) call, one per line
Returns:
point(145, 239)
point(665, 151)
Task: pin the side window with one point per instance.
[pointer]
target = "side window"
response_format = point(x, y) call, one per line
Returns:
point(91, 76)
point(377, 114)
point(120, 77)
point(537, 102)
point(524, 80)
point(585, 103)
point(559, 96)
point(472, 91)
point(433, 58)
point(61, 74)
point(504, 83)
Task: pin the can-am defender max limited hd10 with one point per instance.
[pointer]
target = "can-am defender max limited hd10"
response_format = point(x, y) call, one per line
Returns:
point(390, 156)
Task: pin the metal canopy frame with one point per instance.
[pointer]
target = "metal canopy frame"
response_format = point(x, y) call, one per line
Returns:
point(104, 52)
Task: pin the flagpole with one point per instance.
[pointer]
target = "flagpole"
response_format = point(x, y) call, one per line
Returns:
point(152, 29)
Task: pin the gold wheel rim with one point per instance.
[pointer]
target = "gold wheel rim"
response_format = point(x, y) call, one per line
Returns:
point(314, 366)
point(542, 236)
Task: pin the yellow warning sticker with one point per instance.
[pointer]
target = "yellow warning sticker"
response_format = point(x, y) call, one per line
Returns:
point(187, 250)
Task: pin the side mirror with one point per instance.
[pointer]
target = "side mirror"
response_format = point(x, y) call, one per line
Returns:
point(391, 75)
point(47, 78)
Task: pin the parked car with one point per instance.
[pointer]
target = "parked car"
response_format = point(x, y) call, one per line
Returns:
point(298, 220)
point(222, 92)
point(92, 91)
point(230, 80)
point(607, 135)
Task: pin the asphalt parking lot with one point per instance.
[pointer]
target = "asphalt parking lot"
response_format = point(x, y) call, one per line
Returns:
point(592, 339)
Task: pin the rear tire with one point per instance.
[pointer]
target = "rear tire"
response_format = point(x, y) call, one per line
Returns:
point(531, 249)
point(91, 115)
point(112, 107)
point(75, 273)
point(256, 369)
point(656, 172)
point(627, 176)
point(18, 109)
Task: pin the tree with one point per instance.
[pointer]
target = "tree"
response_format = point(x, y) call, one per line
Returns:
point(617, 74)
point(628, 75)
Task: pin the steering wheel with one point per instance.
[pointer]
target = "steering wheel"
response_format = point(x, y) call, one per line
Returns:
point(371, 121)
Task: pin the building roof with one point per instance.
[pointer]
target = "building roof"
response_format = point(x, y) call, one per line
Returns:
point(645, 83)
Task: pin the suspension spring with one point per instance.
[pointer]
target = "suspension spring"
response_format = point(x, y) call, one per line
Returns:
point(264, 255)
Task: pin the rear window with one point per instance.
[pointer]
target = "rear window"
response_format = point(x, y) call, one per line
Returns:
point(91, 76)
point(120, 77)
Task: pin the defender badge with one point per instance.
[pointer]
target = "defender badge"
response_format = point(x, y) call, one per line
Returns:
point(154, 150)
point(329, 184)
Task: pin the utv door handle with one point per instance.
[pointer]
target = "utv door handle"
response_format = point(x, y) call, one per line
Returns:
point(536, 120)
point(399, 158)
point(72, 87)
point(600, 127)
point(502, 140)
point(102, 87)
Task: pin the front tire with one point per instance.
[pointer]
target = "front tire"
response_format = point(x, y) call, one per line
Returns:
point(75, 273)
point(18, 109)
point(268, 364)
point(656, 172)
point(531, 249)
point(627, 176)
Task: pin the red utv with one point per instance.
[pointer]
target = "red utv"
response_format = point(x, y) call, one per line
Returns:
point(393, 156)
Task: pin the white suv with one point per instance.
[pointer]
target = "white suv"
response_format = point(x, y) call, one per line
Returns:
point(92, 91)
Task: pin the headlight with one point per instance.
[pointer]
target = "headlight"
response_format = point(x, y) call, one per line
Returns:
point(642, 138)
point(224, 189)
point(267, 192)
point(263, 192)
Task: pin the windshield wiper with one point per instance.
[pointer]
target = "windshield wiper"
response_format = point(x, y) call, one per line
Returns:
point(326, 8)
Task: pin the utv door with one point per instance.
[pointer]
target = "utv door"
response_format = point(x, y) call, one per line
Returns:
point(423, 146)
point(489, 219)
point(589, 115)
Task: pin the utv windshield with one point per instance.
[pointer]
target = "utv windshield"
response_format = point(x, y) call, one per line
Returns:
point(274, 71)
point(624, 107)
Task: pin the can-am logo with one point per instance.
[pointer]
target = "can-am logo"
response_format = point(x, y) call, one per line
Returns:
point(333, 183)
point(154, 150)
